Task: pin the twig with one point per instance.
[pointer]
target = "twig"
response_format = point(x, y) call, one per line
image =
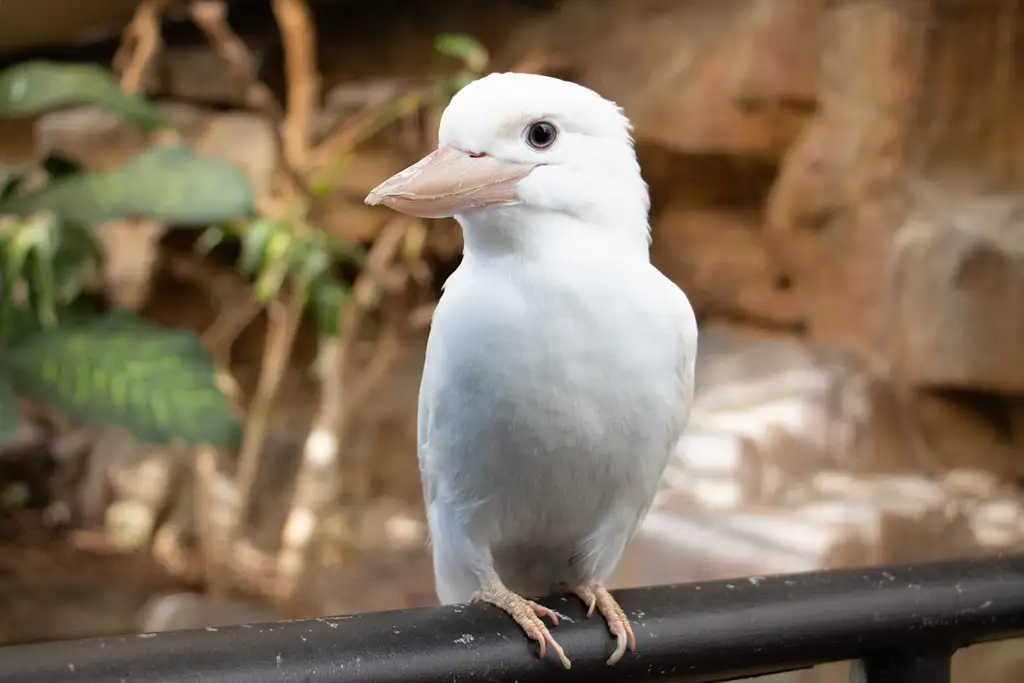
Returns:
point(211, 18)
point(374, 275)
point(285, 316)
point(386, 351)
point(140, 43)
point(298, 36)
point(230, 295)
point(230, 322)
point(293, 137)
point(318, 481)
point(361, 127)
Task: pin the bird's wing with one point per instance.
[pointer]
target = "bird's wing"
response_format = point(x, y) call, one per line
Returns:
point(604, 554)
point(686, 363)
point(423, 424)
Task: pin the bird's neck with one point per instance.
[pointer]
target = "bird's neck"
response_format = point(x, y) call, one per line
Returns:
point(531, 233)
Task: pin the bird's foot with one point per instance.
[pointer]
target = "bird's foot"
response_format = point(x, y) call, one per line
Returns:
point(597, 596)
point(526, 613)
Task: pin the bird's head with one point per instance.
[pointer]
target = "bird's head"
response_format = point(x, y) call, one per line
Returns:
point(515, 147)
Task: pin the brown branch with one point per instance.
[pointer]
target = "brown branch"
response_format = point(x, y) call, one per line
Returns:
point(229, 324)
point(285, 317)
point(292, 130)
point(318, 481)
point(359, 128)
point(298, 36)
point(140, 43)
point(386, 352)
point(211, 18)
point(230, 295)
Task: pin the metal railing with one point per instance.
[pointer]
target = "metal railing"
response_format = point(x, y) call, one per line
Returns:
point(902, 623)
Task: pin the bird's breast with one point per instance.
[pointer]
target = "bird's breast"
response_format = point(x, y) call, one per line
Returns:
point(560, 390)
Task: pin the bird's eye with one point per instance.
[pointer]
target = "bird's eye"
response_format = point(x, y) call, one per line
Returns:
point(541, 135)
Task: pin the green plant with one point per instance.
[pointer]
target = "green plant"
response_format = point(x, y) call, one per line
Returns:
point(111, 369)
point(276, 252)
point(171, 184)
point(118, 369)
point(472, 60)
point(34, 87)
point(472, 56)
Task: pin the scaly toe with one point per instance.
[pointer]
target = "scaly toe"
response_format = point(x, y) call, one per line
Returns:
point(618, 623)
point(542, 611)
point(527, 614)
point(589, 598)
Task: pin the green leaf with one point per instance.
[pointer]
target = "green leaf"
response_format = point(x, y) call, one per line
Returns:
point(255, 239)
point(34, 87)
point(48, 259)
point(17, 323)
point(171, 184)
point(119, 370)
point(467, 50)
point(10, 415)
point(328, 298)
point(11, 179)
point(78, 249)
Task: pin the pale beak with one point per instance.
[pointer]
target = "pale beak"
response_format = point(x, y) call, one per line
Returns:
point(449, 182)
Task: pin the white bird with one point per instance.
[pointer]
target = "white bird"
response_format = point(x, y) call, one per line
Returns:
point(560, 363)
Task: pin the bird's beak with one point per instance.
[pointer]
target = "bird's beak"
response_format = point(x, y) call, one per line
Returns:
point(449, 182)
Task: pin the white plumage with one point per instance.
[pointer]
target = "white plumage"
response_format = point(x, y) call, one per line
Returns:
point(559, 369)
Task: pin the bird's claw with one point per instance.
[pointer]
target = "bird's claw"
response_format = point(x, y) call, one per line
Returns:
point(588, 596)
point(596, 595)
point(528, 614)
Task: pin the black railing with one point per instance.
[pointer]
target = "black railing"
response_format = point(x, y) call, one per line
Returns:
point(902, 623)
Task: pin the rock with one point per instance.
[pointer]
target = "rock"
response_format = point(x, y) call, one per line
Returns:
point(802, 408)
point(838, 200)
point(971, 430)
point(246, 141)
point(798, 458)
point(836, 519)
point(196, 74)
point(846, 188)
point(775, 52)
point(724, 77)
point(958, 295)
point(719, 258)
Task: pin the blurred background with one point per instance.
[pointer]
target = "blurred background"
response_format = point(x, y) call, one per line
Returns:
point(210, 348)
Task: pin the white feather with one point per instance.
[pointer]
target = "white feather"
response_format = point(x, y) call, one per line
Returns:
point(559, 369)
